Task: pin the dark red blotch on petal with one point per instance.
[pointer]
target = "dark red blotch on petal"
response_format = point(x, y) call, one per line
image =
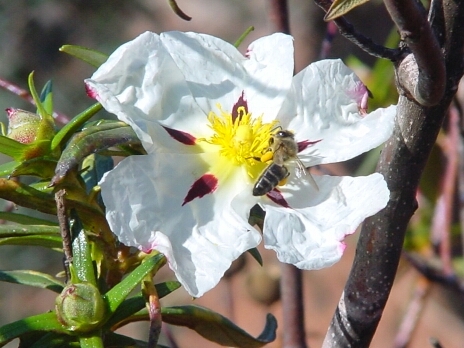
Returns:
point(206, 184)
point(305, 143)
point(91, 92)
point(182, 137)
point(276, 196)
point(240, 102)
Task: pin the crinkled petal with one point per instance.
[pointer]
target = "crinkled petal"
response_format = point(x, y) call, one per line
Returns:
point(142, 86)
point(310, 234)
point(216, 72)
point(144, 197)
point(324, 105)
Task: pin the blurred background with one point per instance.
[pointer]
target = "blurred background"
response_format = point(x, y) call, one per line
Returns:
point(32, 31)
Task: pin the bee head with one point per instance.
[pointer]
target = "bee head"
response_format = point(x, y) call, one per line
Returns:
point(284, 134)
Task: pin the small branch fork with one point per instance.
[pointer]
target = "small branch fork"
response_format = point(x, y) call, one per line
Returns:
point(363, 42)
point(402, 161)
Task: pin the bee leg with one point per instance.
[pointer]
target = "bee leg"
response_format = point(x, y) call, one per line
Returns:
point(284, 180)
point(267, 156)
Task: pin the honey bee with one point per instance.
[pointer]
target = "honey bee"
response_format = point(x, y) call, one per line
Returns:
point(283, 148)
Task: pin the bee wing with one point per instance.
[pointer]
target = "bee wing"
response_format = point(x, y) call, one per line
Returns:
point(303, 173)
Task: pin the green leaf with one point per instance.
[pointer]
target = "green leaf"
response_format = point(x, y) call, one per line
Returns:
point(65, 133)
point(95, 166)
point(118, 293)
point(42, 167)
point(132, 305)
point(51, 242)
point(32, 278)
point(341, 7)
point(92, 341)
point(25, 219)
point(27, 230)
point(92, 140)
point(42, 322)
point(82, 256)
point(7, 168)
point(27, 196)
point(49, 340)
point(216, 328)
point(40, 108)
point(85, 54)
point(178, 11)
point(12, 148)
point(256, 255)
point(46, 97)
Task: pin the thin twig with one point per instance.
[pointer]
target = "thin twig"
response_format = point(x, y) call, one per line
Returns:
point(330, 33)
point(278, 16)
point(24, 94)
point(63, 221)
point(435, 274)
point(412, 315)
point(441, 223)
point(363, 42)
point(291, 293)
point(154, 313)
point(422, 75)
point(291, 286)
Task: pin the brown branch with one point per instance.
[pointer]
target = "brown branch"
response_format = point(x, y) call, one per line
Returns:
point(402, 162)
point(291, 293)
point(278, 16)
point(291, 286)
point(363, 42)
point(422, 75)
point(62, 214)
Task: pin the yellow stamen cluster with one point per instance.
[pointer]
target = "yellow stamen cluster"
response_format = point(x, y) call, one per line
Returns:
point(241, 139)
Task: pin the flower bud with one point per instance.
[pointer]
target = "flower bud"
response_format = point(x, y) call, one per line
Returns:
point(80, 307)
point(22, 125)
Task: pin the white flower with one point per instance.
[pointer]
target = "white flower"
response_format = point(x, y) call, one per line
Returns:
point(205, 114)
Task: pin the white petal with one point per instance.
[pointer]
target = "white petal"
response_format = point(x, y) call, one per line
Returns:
point(144, 196)
point(216, 72)
point(310, 234)
point(324, 105)
point(142, 86)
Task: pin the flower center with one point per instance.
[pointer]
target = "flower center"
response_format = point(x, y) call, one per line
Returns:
point(242, 138)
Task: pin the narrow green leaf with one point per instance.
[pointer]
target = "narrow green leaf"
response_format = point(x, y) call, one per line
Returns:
point(132, 305)
point(25, 219)
point(95, 166)
point(27, 230)
point(82, 256)
point(65, 133)
point(7, 168)
point(85, 54)
point(26, 196)
point(49, 340)
point(117, 294)
point(46, 97)
point(12, 148)
point(92, 341)
point(40, 108)
point(41, 167)
point(41, 322)
point(52, 242)
point(217, 328)
point(92, 140)
point(32, 278)
point(178, 11)
point(256, 255)
point(341, 7)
